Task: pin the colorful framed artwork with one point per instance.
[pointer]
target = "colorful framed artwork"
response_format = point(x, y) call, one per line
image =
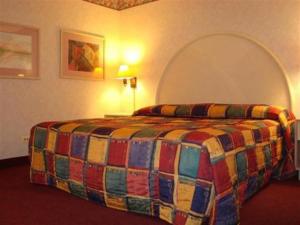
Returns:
point(82, 55)
point(19, 51)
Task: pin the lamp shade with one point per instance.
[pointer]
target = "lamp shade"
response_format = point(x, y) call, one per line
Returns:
point(126, 72)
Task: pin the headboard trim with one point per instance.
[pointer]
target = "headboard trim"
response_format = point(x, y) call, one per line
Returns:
point(238, 35)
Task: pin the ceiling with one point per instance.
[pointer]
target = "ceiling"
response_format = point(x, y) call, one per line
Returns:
point(120, 4)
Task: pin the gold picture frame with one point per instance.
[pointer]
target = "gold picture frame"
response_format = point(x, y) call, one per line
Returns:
point(19, 51)
point(82, 55)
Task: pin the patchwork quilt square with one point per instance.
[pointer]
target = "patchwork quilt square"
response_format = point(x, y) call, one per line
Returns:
point(40, 137)
point(138, 182)
point(77, 189)
point(237, 111)
point(258, 111)
point(79, 146)
point(242, 191)
point(226, 210)
point(104, 131)
point(196, 137)
point(189, 161)
point(265, 134)
point(117, 152)
point(237, 139)
point(62, 185)
point(115, 180)
point(51, 142)
point(180, 218)
point(96, 196)
point(62, 167)
point(200, 110)
point(248, 137)
point(116, 201)
point(231, 164)
point(260, 157)
point(86, 128)
point(140, 154)
point(38, 177)
point(76, 170)
point(94, 176)
point(214, 148)
point(50, 159)
point(124, 133)
point(51, 180)
point(167, 157)
point(221, 175)
point(183, 110)
point(252, 186)
point(201, 198)
point(251, 160)
point(166, 213)
point(185, 192)
point(191, 220)
point(267, 156)
point(63, 143)
point(226, 142)
point(97, 151)
point(166, 189)
point(147, 132)
point(257, 136)
point(217, 111)
point(168, 110)
point(154, 184)
point(38, 160)
point(205, 169)
point(139, 205)
point(241, 163)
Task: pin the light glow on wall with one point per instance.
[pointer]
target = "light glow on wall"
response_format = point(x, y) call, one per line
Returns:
point(132, 54)
point(112, 52)
point(111, 98)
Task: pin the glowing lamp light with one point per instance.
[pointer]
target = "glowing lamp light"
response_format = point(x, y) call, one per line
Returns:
point(132, 54)
point(127, 72)
point(98, 70)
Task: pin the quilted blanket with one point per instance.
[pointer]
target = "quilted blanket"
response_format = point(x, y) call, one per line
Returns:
point(187, 164)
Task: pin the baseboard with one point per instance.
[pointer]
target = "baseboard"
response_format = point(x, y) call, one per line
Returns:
point(23, 160)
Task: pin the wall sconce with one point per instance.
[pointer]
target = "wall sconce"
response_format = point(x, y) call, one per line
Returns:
point(127, 73)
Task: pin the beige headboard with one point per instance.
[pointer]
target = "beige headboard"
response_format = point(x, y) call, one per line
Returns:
point(225, 68)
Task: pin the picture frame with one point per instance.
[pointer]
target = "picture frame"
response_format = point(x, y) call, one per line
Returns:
point(19, 51)
point(82, 55)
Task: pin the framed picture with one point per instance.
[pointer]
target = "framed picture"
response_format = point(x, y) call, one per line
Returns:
point(82, 55)
point(19, 51)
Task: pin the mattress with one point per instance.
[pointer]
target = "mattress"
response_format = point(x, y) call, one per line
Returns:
point(186, 164)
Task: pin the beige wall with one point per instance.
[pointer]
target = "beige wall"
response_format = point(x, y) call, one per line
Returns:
point(159, 29)
point(162, 28)
point(24, 103)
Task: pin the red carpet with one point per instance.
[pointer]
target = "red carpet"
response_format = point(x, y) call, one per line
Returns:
point(22, 203)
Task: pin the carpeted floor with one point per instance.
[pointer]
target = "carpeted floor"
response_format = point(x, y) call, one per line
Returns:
point(22, 203)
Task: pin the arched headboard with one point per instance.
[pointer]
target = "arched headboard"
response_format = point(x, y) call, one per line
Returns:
point(224, 68)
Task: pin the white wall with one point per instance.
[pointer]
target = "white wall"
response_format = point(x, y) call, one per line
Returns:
point(24, 103)
point(162, 28)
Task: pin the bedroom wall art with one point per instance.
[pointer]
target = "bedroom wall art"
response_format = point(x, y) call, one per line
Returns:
point(82, 55)
point(19, 51)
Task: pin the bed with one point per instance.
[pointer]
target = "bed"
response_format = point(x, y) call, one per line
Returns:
point(187, 164)
point(190, 163)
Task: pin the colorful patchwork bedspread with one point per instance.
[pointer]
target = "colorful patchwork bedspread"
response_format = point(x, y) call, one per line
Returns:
point(187, 164)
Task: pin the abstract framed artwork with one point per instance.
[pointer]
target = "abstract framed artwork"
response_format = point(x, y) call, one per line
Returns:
point(82, 55)
point(19, 51)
